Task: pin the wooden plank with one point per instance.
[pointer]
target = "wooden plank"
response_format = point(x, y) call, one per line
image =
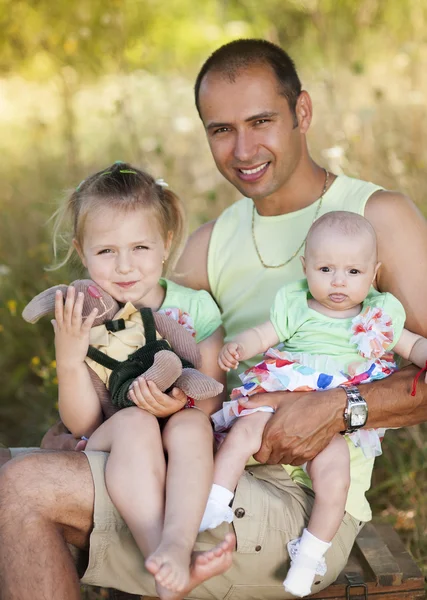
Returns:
point(379, 558)
point(400, 553)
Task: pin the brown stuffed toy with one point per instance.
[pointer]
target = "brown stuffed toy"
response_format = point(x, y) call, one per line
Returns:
point(126, 343)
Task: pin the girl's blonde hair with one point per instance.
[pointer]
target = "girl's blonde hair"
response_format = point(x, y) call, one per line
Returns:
point(125, 188)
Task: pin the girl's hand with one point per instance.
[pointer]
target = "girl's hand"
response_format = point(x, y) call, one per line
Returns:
point(229, 356)
point(146, 395)
point(71, 330)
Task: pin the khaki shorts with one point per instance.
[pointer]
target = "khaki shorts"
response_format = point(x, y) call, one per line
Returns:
point(270, 509)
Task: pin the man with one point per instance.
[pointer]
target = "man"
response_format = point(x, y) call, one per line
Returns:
point(256, 117)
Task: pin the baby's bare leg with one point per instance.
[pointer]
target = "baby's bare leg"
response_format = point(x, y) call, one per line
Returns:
point(330, 474)
point(188, 442)
point(243, 440)
point(135, 472)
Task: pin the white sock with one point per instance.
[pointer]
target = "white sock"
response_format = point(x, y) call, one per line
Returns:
point(306, 561)
point(217, 509)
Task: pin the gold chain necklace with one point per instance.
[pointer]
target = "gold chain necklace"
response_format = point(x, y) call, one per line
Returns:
point(319, 206)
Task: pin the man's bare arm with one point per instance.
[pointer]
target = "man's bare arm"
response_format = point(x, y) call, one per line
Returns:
point(192, 268)
point(402, 249)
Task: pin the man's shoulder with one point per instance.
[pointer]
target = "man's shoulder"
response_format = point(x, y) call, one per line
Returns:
point(388, 206)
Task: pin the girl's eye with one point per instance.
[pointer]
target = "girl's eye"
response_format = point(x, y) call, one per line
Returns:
point(354, 271)
point(324, 269)
point(105, 251)
point(141, 247)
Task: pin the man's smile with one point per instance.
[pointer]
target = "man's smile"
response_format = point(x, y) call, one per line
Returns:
point(254, 173)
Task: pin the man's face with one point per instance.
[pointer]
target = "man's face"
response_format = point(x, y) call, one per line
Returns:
point(250, 130)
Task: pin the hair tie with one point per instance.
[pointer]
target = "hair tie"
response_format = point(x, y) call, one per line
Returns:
point(161, 183)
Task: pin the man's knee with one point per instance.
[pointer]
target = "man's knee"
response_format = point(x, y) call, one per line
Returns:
point(51, 483)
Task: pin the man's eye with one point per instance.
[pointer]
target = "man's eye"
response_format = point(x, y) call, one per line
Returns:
point(221, 130)
point(354, 271)
point(262, 121)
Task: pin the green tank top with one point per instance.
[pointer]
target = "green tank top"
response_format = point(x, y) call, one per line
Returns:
point(245, 290)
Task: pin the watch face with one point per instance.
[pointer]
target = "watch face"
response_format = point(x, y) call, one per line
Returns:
point(358, 415)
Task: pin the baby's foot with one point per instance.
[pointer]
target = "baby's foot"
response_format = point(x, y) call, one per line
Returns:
point(217, 509)
point(170, 566)
point(307, 561)
point(204, 565)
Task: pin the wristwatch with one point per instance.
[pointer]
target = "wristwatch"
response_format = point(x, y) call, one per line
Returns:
point(356, 411)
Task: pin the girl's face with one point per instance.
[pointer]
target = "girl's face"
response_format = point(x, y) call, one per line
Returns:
point(124, 252)
point(340, 269)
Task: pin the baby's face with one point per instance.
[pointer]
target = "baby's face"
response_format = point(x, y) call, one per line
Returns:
point(340, 268)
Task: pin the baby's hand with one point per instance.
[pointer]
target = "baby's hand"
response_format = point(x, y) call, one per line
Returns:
point(229, 356)
point(71, 330)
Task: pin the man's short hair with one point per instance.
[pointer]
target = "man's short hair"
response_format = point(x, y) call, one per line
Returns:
point(236, 56)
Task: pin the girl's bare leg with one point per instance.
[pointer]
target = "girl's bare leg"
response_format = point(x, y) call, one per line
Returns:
point(188, 442)
point(243, 440)
point(330, 475)
point(135, 472)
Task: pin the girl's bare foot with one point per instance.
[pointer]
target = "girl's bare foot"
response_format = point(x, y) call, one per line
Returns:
point(204, 565)
point(170, 565)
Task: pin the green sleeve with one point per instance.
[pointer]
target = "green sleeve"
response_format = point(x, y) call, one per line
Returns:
point(279, 314)
point(206, 316)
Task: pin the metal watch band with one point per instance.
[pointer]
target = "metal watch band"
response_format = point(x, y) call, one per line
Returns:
point(354, 397)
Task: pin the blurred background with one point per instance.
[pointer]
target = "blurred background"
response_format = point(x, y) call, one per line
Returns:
point(85, 83)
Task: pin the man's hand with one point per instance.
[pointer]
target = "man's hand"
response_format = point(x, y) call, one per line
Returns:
point(303, 424)
point(146, 395)
point(59, 438)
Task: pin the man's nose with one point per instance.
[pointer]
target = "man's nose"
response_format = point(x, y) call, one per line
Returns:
point(245, 147)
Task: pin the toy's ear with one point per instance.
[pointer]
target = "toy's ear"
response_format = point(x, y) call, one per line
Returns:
point(42, 304)
point(96, 297)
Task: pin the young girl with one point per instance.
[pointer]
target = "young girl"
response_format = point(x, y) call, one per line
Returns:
point(127, 230)
point(336, 329)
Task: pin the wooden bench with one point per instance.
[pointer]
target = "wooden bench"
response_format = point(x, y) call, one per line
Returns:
point(379, 568)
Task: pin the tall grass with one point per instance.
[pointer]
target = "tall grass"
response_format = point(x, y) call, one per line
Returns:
point(53, 135)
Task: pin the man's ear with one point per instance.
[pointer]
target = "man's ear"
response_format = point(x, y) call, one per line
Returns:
point(304, 111)
point(79, 251)
point(303, 264)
